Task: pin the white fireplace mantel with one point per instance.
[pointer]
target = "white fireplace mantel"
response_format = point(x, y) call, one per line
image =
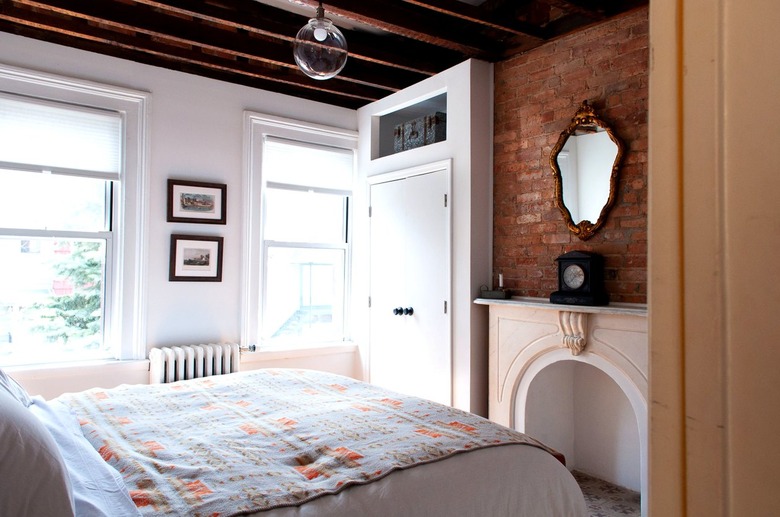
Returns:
point(635, 309)
point(528, 334)
point(573, 319)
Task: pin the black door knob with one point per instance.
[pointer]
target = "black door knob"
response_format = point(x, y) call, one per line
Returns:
point(408, 311)
point(398, 311)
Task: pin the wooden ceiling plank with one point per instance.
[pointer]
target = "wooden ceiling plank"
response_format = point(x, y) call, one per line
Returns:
point(594, 10)
point(177, 30)
point(481, 16)
point(265, 20)
point(106, 39)
point(398, 17)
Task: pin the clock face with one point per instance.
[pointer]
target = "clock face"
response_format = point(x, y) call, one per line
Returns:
point(573, 276)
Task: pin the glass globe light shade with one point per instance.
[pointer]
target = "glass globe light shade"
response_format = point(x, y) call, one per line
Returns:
point(320, 49)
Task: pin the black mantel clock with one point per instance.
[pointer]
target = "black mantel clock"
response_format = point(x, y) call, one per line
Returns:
point(580, 279)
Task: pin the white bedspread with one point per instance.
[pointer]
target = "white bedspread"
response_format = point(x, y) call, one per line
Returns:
point(274, 439)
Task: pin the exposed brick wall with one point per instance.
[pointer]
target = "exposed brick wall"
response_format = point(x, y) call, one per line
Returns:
point(536, 95)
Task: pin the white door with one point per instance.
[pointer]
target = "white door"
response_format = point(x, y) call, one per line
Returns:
point(410, 345)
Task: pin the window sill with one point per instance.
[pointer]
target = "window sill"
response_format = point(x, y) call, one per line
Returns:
point(280, 352)
point(51, 380)
point(47, 369)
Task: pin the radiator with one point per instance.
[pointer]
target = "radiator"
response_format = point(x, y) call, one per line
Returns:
point(177, 363)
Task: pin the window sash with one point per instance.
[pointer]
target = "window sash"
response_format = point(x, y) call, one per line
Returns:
point(283, 161)
point(271, 288)
point(296, 223)
point(20, 207)
point(26, 320)
point(33, 342)
point(260, 128)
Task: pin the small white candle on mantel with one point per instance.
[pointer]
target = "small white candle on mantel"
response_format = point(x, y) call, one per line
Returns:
point(500, 280)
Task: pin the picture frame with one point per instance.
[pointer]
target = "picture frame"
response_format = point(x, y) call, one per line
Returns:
point(197, 202)
point(195, 258)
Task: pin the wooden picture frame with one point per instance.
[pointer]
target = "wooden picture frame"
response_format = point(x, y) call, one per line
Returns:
point(197, 202)
point(195, 258)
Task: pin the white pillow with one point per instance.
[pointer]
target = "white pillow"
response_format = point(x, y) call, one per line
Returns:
point(14, 389)
point(96, 487)
point(33, 478)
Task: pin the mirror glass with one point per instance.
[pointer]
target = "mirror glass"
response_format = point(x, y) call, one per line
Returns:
point(585, 163)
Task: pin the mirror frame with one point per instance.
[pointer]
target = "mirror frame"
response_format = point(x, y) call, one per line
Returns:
point(585, 116)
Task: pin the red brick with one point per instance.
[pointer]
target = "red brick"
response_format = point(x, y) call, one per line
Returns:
point(608, 65)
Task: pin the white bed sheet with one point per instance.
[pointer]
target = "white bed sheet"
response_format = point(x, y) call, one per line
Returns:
point(97, 489)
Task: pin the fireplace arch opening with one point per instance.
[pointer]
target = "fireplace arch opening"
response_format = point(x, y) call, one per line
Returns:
point(581, 411)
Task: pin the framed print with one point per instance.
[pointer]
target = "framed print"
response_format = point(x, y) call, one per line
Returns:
point(195, 258)
point(197, 202)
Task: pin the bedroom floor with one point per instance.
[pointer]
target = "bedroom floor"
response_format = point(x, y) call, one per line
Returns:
point(607, 500)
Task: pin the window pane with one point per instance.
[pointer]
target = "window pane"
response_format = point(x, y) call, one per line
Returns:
point(46, 134)
point(305, 295)
point(299, 163)
point(37, 201)
point(51, 303)
point(296, 216)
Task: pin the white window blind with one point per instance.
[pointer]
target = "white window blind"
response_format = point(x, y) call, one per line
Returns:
point(306, 164)
point(38, 135)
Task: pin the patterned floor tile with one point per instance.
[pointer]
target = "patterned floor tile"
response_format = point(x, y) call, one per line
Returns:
point(607, 500)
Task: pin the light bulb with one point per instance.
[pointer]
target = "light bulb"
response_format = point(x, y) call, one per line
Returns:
point(320, 49)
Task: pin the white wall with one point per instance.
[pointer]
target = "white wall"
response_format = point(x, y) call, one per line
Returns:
point(549, 409)
point(607, 441)
point(580, 411)
point(195, 127)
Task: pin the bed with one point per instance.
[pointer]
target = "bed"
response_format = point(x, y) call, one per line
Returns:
point(273, 443)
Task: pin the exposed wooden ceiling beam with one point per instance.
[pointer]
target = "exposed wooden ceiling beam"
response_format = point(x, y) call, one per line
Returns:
point(416, 23)
point(481, 17)
point(392, 43)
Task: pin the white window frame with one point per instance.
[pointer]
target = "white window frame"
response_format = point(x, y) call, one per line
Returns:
point(257, 127)
point(125, 298)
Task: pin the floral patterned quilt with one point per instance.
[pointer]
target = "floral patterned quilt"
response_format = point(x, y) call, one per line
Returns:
point(257, 440)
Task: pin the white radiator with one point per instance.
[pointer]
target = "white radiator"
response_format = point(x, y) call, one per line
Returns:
point(177, 363)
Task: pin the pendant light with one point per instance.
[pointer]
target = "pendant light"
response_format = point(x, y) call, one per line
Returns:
point(320, 49)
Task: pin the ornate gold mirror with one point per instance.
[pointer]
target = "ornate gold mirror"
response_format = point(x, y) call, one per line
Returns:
point(585, 163)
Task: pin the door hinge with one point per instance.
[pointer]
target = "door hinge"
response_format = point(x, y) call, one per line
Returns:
point(445, 306)
point(445, 200)
point(369, 302)
point(369, 211)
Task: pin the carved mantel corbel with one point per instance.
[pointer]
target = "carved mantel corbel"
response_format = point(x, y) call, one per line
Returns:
point(573, 326)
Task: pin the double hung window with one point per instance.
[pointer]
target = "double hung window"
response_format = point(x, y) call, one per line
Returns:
point(305, 241)
point(64, 190)
point(303, 256)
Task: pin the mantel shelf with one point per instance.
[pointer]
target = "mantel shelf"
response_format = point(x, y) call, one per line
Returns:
point(629, 309)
